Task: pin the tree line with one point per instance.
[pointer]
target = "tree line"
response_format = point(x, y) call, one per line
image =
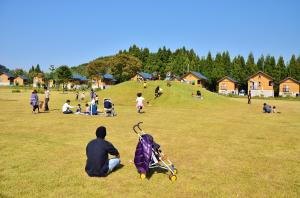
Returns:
point(126, 63)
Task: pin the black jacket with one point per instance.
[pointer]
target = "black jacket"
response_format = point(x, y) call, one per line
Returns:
point(97, 152)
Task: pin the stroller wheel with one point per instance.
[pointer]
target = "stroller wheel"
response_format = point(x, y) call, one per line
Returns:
point(173, 178)
point(142, 175)
point(175, 171)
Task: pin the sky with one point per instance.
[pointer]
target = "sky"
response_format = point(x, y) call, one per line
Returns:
point(72, 32)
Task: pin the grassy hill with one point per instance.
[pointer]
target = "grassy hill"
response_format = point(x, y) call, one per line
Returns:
point(221, 146)
point(178, 95)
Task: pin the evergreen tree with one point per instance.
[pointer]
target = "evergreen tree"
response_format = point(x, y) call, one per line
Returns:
point(251, 67)
point(269, 64)
point(260, 63)
point(279, 73)
point(294, 67)
point(38, 69)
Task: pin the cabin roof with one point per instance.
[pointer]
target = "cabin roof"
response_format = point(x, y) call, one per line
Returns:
point(145, 75)
point(290, 78)
point(197, 74)
point(260, 72)
point(10, 75)
point(79, 77)
point(229, 78)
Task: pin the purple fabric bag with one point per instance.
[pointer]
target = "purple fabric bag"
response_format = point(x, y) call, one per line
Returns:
point(143, 153)
point(34, 101)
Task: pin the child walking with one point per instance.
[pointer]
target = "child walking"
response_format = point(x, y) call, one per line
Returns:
point(139, 103)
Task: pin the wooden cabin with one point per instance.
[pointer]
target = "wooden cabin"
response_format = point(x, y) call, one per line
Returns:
point(228, 85)
point(289, 87)
point(171, 77)
point(142, 76)
point(38, 81)
point(6, 79)
point(77, 81)
point(51, 83)
point(261, 84)
point(195, 78)
point(103, 81)
point(21, 80)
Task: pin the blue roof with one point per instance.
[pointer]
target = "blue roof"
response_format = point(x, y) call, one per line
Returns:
point(23, 77)
point(145, 75)
point(109, 77)
point(8, 74)
point(199, 75)
point(78, 77)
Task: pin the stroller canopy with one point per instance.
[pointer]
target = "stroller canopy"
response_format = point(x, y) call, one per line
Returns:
point(143, 153)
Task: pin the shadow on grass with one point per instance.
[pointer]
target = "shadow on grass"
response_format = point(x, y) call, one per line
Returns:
point(118, 168)
point(155, 171)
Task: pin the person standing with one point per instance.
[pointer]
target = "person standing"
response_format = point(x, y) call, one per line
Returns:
point(98, 164)
point(249, 97)
point(34, 101)
point(47, 98)
point(92, 94)
point(139, 102)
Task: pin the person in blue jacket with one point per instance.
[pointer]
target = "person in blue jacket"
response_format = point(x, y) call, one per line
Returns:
point(97, 150)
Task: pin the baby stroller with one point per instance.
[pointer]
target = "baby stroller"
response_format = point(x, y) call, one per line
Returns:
point(148, 155)
point(108, 107)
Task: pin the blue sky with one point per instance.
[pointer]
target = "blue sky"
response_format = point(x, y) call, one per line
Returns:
point(73, 32)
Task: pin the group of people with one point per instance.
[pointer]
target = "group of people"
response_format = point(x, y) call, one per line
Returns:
point(36, 104)
point(90, 109)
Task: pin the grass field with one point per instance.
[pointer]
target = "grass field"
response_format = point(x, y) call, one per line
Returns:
point(221, 146)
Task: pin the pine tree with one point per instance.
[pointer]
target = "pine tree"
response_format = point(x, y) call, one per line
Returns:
point(38, 69)
point(251, 67)
point(278, 73)
point(294, 67)
point(260, 63)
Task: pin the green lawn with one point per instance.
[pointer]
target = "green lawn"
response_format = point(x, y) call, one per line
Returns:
point(221, 146)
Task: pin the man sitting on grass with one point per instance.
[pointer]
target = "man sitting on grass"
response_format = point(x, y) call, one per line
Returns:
point(66, 109)
point(97, 150)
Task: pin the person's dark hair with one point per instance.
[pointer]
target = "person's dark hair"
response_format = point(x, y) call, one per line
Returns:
point(274, 107)
point(265, 104)
point(45, 87)
point(139, 94)
point(79, 105)
point(101, 132)
point(68, 101)
point(86, 105)
point(34, 91)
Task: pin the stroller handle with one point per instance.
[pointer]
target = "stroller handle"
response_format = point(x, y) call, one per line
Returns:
point(137, 126)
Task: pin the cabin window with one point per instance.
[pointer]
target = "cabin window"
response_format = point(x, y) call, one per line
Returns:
point(198, 82)
point(285, 88)
point(259, 84)
point(271, 83)
point(223, 86)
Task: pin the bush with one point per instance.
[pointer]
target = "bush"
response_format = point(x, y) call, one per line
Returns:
point(16, 91)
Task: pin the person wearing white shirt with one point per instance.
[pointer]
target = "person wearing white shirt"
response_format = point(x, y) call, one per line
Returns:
point(139, 103)
point(66, 108)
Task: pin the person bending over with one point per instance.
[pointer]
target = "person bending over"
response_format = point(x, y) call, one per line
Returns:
point(97, 150)
point(267, 108)
point(66, 109)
